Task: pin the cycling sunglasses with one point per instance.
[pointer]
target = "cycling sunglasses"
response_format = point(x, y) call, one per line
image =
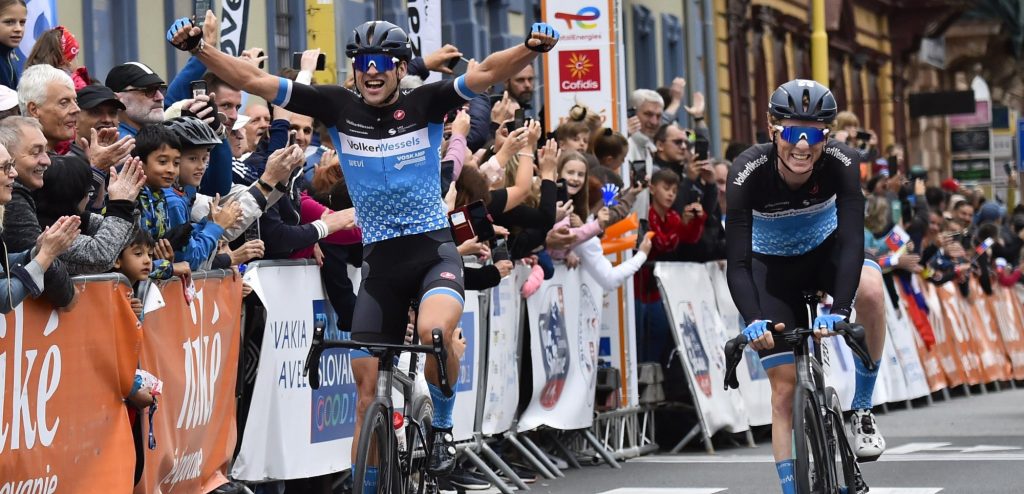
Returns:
point(379, 61)
point(793, 135)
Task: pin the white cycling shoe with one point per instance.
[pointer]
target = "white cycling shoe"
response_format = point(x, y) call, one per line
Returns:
point(868, 443)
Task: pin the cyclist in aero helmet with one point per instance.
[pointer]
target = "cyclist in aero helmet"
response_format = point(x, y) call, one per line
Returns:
point(796, 223)
point(388, 141)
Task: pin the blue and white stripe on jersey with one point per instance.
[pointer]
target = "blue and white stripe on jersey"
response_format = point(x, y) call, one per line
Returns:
point(795, 231)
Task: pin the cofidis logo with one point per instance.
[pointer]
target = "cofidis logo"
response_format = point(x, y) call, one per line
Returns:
point(580, 70)
point(583, 19)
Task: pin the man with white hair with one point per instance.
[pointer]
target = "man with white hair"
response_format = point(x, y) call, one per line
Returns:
point(48, 94)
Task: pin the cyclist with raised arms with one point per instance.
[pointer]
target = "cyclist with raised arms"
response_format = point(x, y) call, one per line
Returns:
point(796, 223)
point(388, 141)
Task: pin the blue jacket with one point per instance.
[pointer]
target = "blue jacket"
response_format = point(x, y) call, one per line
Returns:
point(205, 234)
point(10, 67)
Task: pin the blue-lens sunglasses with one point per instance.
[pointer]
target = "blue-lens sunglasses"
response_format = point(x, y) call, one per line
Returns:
point(793, 135)
point(379, 61)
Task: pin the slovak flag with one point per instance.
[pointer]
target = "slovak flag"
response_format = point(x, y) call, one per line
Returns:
point(982, 247)
point(897, 238)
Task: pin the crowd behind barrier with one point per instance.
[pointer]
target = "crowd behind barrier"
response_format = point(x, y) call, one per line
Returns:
point(58, 432)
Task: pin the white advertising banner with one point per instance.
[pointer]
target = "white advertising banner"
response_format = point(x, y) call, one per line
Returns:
point(700, 337)
point(234, 23)
point(565, 319)
point(293, 431)
point(901, 333)
point(502, 354)
point(425, 29)
point(754, 386)
point(582, 68)
point(618, 336)
point(464, 413)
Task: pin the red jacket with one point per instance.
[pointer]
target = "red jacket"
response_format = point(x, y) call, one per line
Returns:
point(669, 232)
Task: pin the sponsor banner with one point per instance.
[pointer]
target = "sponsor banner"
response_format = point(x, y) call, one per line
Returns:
point(700, 336)
point(958, 359)
point(565, 318)
point(63, 380)
point(292, 431)
point(464, 413)
point(901, 333)
point(193, 348)
point(41, 17)
point(754, 387)
point(1010, 314)
point(425, 29)
point(985, 336)
point(234, 22)
point(502, 364)
point(617, 340)
point(582, 68)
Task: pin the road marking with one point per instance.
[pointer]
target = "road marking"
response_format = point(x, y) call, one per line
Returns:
point(905, 490)
point(667, 490)
point(915, 447)
point(988, 449)
point(904, 457)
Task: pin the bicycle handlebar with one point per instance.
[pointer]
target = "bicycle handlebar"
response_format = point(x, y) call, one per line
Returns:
point(853, 334)
point(379, 350)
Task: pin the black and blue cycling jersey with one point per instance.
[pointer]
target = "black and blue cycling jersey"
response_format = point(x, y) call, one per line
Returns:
point(390, 155)
point(785, 228)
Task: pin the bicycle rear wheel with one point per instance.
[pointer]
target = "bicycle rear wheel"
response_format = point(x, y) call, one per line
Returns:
point(378, 449)
point(418, 432)
point(812, 462)
point(846, 469)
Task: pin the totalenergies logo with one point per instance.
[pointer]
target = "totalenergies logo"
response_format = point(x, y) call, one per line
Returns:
point(582, 18)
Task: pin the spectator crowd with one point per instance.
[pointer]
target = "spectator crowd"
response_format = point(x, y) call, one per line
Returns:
point(153, 176)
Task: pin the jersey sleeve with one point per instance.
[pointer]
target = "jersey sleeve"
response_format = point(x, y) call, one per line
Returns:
point(324, 103)
point(850, 228)
point(739, 242)
point(442, 96)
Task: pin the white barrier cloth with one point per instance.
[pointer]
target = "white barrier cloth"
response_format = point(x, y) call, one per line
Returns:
point(293, 431)
point(565, 319)
point(464, 413)
point(699, 333)
point(503, 344)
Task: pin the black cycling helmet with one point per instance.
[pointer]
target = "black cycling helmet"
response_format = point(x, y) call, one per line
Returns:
point(379, 37)
point(803, 99)
point(193, 132)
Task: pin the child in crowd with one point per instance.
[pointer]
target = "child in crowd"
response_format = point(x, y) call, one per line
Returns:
point(573, 136)
point(13, 16)
point(572, 168)
point(670, 229)
point(160, 151)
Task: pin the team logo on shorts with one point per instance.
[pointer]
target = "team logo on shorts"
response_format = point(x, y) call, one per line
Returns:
point(399, 114)
point(448, 276)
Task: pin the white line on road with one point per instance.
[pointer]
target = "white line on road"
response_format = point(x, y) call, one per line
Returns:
point(905, 490)
point(666, 490)
point(884, 458)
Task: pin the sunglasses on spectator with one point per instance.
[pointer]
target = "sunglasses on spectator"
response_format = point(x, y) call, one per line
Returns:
point(683, 143)
point(793, 135)
point(379, 61)
point(148, 91)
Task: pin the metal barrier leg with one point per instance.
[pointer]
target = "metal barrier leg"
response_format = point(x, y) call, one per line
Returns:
point(507, 470)
point(543, 457)
point(570, 458)
point(686, 439)
point(486, 470)
point(528, 456)
point(601, 450)
point(750, 438)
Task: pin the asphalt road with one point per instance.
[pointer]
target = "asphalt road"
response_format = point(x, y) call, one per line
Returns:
point(965, 445)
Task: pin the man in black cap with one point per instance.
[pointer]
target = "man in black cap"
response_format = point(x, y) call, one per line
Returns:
point(97, 133)
point(142, 93)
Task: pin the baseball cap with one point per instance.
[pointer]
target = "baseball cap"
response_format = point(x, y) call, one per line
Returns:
point(8, 98)
point(93, 95)
point(242, 120)
point(135, 74)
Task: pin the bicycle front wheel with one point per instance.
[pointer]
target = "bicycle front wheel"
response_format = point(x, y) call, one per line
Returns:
point(812, 462)
point(376, 468)
point(847, 472)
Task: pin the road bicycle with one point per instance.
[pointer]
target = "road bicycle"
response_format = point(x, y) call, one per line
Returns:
point(401, 462)
point(825, 462)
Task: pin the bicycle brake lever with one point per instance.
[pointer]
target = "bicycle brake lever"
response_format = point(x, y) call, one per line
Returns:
point(312, 365)
point(441, 354)
point(733, 354)
point(855, 339)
